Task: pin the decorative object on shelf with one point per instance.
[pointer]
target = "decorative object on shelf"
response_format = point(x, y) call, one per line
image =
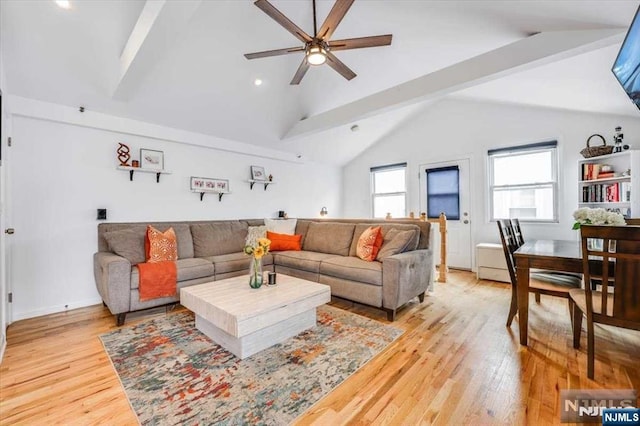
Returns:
point(135, 163)
point(257, 252)
point(598, 216)
point(423, 216)
point(257, 173)
point(270, 178)
point(596, 151)
point(323, 212)
point(123, 154)
point(388, 216)
point(151, 159)
point(281, 213)
point(412, 215)
point(617, 140)
point(202, 185)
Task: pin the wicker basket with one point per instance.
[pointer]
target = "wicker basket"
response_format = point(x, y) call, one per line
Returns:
point(596, 151)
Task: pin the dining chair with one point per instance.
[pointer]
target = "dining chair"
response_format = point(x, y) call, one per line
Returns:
point(559, 289)
point(517, 230)
point(618, 302)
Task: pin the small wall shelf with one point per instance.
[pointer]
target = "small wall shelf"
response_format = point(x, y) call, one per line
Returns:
point(138, 169)
point(266, 183)
point(220, 194)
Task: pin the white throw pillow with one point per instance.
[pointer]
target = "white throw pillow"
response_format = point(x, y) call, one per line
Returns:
point(254, 233)
point(281, 226)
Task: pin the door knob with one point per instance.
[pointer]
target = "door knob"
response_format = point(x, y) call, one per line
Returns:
point(9, 231)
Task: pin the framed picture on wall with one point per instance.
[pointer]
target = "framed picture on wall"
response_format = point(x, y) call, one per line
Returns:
point(257, 173)
point(222, 185)
point(201, 184)
point(151, 159)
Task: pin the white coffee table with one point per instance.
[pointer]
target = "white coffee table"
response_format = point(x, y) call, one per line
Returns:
point(244, 320)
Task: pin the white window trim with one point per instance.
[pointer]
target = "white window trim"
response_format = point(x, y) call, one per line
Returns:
point(372, 170)
point(523, 150)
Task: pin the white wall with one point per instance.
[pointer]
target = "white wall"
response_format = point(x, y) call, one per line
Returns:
point(457, 128)
point(61, 173)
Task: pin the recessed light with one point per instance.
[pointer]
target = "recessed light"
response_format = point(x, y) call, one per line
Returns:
point(257, 82)
point(65, 4)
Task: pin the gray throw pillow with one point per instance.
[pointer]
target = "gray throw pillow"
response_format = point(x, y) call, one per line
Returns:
point(396, 242)
point(128, 244)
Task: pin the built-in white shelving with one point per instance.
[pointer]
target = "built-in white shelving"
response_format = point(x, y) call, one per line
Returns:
point(618, 192)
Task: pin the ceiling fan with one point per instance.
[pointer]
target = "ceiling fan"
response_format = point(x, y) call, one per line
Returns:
point(318, 49)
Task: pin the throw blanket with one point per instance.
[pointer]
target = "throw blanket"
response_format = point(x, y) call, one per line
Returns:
point(157, 279)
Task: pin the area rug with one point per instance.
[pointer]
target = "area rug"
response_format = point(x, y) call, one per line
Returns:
point(173, 374)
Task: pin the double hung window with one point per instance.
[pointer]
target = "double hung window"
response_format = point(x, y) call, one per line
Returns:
point(523, 182)
point(389, 190)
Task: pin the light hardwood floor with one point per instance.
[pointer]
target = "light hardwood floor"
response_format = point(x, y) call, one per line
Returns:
point(457, 363)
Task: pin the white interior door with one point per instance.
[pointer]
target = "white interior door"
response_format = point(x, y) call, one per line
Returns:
point(443, 194)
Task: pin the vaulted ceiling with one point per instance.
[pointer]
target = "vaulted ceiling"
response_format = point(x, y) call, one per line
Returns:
point(180, 63)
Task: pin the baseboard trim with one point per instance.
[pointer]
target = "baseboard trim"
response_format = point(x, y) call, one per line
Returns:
point(55, 309)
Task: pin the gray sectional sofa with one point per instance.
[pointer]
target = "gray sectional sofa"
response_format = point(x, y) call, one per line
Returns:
point(212, 250)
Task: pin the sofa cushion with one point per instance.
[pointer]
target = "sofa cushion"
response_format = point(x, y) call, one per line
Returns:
point(232, 262)
point(127, 243)
point(160, 246)
point(369, 243)
point(188, 269)
point(216, 238)
point(284, 242)
point(329, 237)
point(303, 260)
point(184, 239)
point(352, 268)
point(385, 228)
point(397, 241)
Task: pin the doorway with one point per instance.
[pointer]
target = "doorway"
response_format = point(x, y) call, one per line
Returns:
point(445, 187)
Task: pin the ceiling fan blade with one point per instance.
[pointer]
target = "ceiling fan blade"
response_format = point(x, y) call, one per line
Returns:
point(339, 9)
point(360, 42)
point(276, 52)
point(340, 67)
point(277, 16)
point(302, 70)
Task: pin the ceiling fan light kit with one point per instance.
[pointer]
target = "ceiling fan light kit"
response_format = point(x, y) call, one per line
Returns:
point(316, 55)
point(317, 49)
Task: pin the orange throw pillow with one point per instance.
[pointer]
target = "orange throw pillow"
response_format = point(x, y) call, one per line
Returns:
point(160, 246)
point(369, 243)
point(282, 242)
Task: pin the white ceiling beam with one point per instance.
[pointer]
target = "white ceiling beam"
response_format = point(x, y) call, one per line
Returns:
point(533, 51)
point(158, 26)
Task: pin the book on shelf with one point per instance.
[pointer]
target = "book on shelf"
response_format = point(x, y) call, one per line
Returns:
point(615, 192)
point(605, 175)
point(590, 171)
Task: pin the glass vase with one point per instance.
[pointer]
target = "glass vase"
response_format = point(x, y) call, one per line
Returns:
point(255, 273)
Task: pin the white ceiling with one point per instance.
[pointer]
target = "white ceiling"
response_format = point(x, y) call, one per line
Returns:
point(193, 75)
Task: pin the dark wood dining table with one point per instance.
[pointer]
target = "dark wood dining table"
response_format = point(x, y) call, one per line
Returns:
point(553, 255)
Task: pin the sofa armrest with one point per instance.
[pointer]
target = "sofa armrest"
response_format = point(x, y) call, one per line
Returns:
point(113, 281)
point(405, 276)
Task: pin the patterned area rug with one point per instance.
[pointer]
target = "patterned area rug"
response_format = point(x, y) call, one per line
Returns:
point(173, 374)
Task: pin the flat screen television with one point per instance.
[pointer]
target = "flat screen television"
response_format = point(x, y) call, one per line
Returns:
point(626, 68)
